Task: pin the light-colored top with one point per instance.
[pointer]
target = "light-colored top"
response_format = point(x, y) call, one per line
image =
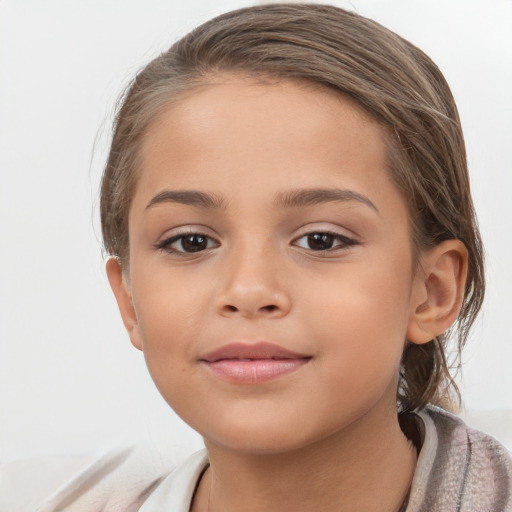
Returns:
point(459, 470)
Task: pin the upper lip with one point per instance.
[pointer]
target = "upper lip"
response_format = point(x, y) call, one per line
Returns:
point(260, 350)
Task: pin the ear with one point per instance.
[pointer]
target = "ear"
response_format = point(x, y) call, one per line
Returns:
point(438, 291)
point(123, 296)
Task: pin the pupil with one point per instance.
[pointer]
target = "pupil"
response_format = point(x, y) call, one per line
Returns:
point(194, 243)
point(320, 241)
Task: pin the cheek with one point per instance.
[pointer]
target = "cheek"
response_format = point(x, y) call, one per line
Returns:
point(364, 318)
point(171, 315)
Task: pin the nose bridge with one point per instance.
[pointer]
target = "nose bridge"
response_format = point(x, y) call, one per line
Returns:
point(254, 283)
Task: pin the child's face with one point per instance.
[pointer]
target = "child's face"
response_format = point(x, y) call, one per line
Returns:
point(302, 242)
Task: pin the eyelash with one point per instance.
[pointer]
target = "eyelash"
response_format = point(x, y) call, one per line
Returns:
point(166, 245)
point(343, 242)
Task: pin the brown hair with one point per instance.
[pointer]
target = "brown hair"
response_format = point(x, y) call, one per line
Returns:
point(392, 80)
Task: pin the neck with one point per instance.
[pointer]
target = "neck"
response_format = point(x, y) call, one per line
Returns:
point(361, 468)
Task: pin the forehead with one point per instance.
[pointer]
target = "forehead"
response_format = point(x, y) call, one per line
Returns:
point(235, 100)
point(240, 132)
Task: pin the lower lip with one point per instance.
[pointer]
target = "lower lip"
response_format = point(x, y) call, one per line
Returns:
point(254, 371)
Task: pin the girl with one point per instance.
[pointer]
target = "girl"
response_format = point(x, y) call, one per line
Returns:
point(287, 208)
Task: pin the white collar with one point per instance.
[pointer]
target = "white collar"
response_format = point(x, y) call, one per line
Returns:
point(175, 492)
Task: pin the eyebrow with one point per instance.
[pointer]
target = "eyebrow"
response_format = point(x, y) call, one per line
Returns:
point(310, 197)
point(290, 199)
point(188, 197)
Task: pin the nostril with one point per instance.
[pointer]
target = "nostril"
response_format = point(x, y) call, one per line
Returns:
point(270, 310)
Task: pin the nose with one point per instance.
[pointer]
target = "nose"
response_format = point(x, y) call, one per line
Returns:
point(253, 288)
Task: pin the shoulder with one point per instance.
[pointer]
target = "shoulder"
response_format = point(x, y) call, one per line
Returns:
point(118, 480)
point(460, 468)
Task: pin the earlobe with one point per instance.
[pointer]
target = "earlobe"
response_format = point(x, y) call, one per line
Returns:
point(438, 291)
point(124, 300)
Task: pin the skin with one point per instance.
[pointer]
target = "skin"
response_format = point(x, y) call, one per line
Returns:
point(325, 437)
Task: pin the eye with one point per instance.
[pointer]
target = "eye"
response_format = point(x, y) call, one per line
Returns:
point(187, 243)
point(324, 241)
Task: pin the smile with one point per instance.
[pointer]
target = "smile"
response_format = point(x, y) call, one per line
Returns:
point(253, 363)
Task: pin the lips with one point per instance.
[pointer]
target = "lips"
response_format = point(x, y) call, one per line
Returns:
point(253, 363)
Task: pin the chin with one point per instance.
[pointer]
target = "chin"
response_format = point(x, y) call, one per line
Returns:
point(263, 435)
point(257, 443)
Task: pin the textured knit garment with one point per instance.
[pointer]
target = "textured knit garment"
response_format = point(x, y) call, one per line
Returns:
point(459, 470)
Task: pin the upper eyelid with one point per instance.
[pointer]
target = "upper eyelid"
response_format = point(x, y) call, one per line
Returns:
point(348, 240)
point(331, 231)
point(187, 230)
point(342, 232)
point(310, 228)
point(177, 236)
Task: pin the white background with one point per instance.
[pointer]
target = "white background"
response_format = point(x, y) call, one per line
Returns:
point(70, 381)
